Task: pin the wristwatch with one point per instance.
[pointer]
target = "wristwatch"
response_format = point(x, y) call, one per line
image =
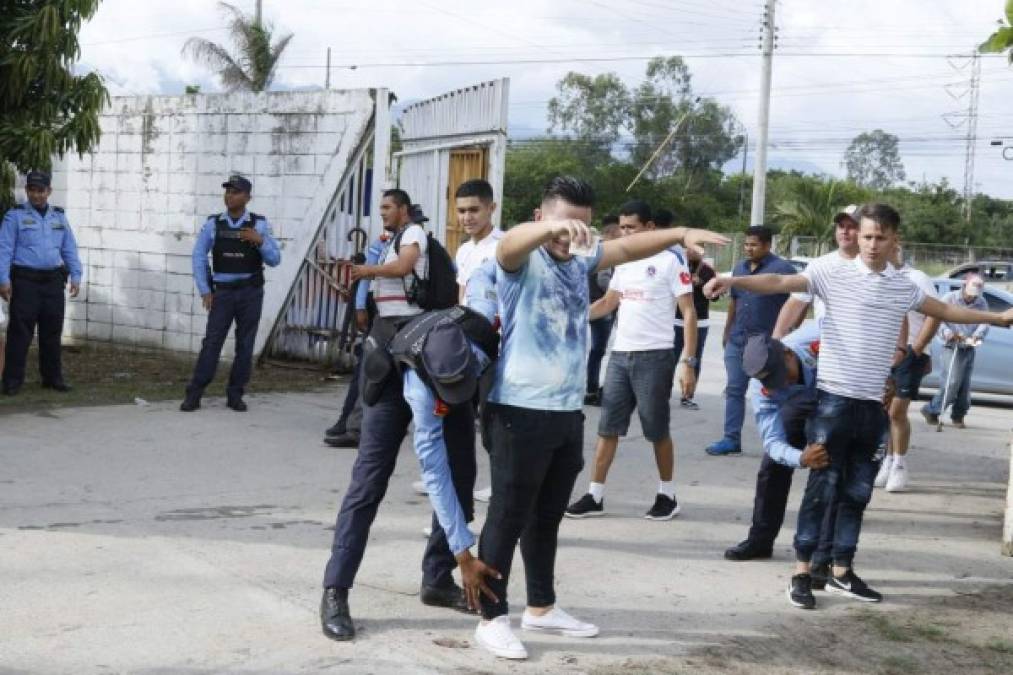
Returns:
point(691, 361)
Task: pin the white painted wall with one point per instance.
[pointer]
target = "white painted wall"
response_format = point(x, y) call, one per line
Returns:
point(137, 202)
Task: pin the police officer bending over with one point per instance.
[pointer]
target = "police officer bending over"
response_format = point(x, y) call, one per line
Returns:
point(37, 254)
point(240, 244)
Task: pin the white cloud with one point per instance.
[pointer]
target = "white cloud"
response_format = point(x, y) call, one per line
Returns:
point(819, 101)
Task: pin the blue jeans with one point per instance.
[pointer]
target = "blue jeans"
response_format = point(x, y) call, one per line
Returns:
point(959, 394)
point(851, 430)
point(600, 331)
point(701, 340)
point(735, 389)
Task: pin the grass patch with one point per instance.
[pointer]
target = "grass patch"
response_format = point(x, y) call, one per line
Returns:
point(106, 374)
point(898, 665)
point(929, 631)
point(1000, 646)
point(884, 627)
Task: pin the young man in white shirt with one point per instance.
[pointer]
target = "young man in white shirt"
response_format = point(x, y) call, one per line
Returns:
point(912, 362)
point(866, 304)
point(642, 366)
point(475, 208)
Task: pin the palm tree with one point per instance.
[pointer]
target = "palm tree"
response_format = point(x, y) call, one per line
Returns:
point(253, 67)
point(809, 206)
point(1001, 39)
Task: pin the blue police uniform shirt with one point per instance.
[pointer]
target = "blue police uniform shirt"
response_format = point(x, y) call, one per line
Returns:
point(543, 308)
point(755, 313)
point(269, 250)
point(767, 404)
point(41, 241)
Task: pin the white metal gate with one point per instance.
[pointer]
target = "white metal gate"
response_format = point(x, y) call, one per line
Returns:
point(431, 130)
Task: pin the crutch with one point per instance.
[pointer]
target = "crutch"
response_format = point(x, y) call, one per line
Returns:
point(946, 387)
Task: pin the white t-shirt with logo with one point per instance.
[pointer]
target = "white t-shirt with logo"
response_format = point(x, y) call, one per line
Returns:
point(915, 320)
point(648, 290)
point(471, 255)
point(389, 293)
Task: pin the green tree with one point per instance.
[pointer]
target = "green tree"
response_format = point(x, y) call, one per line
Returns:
point(45, 109)
point(600, 111)
point(253, 66)
point(1002, 39)
point(808, 204)
point(873, 160)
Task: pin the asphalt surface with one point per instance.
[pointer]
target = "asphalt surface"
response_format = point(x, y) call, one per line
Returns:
point(141, 539)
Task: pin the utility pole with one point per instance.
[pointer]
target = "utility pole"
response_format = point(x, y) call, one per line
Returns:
point(742, 183)
point(970, 88)
point(260, 12)
point(327, 78)
point(756, 216)
point(972, 134)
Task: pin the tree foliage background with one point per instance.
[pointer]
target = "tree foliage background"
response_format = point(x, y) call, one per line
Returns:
point(603, 130)
point(45, 109)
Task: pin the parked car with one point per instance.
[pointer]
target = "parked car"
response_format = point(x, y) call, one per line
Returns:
point(993, 364)
point(994, 272)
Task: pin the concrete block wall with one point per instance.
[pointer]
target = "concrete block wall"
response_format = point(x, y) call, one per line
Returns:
point(137, 202)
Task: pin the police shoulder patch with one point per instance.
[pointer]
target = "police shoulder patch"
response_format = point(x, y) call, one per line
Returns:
point(58, 209)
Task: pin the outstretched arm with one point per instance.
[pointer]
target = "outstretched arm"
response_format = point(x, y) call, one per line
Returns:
point(956, 314)
point(645, 244)
point(520, 240)
point(764, 284)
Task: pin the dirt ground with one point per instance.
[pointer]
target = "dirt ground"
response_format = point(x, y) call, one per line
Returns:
point(103, 374)
point(969, 633)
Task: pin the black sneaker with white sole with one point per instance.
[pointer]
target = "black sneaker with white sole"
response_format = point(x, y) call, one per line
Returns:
point(586, 507)
point(665, 508)
point(820, 574)
point(851, 586)
point(800, 592)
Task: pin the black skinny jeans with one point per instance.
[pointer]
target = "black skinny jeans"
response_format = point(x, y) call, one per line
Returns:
point(535, 457)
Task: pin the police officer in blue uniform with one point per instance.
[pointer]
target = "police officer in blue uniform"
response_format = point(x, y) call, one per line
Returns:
point(240, 244)
point(38, 253)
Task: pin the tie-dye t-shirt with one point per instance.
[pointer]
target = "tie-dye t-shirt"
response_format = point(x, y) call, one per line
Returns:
point(543, 309)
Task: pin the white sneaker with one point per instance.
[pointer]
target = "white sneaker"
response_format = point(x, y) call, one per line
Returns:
point(483, 495)
point(558, 621)
point(884, 471)
point(897, 482)
point(497, 638)
point(420, 488)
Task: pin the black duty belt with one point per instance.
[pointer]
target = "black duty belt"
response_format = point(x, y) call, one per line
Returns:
point(255, 280)
point(21, 273)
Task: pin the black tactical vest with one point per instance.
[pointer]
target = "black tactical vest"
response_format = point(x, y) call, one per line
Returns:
point(407, 344)
point(232, 255)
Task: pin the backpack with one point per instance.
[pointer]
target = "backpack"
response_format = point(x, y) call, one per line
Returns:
point(438, 290)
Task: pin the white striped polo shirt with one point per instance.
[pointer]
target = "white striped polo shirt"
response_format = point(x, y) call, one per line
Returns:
point(865, 312)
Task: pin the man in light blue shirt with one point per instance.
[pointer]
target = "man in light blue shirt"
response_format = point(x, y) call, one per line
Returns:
point(38, 253)
point(534, 417)
point(783, 396)
point(959, 342)
point(240, 244)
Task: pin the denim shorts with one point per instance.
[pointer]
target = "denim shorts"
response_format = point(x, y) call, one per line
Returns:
point(641, 380)
point(908, 374)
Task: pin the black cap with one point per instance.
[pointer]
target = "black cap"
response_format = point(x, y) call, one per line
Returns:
point(237, 182)
point(38, 179)
point(448, 361)
point(416, 214)
point(763, 358)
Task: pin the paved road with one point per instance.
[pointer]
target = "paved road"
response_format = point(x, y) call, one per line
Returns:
point(139, 539)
